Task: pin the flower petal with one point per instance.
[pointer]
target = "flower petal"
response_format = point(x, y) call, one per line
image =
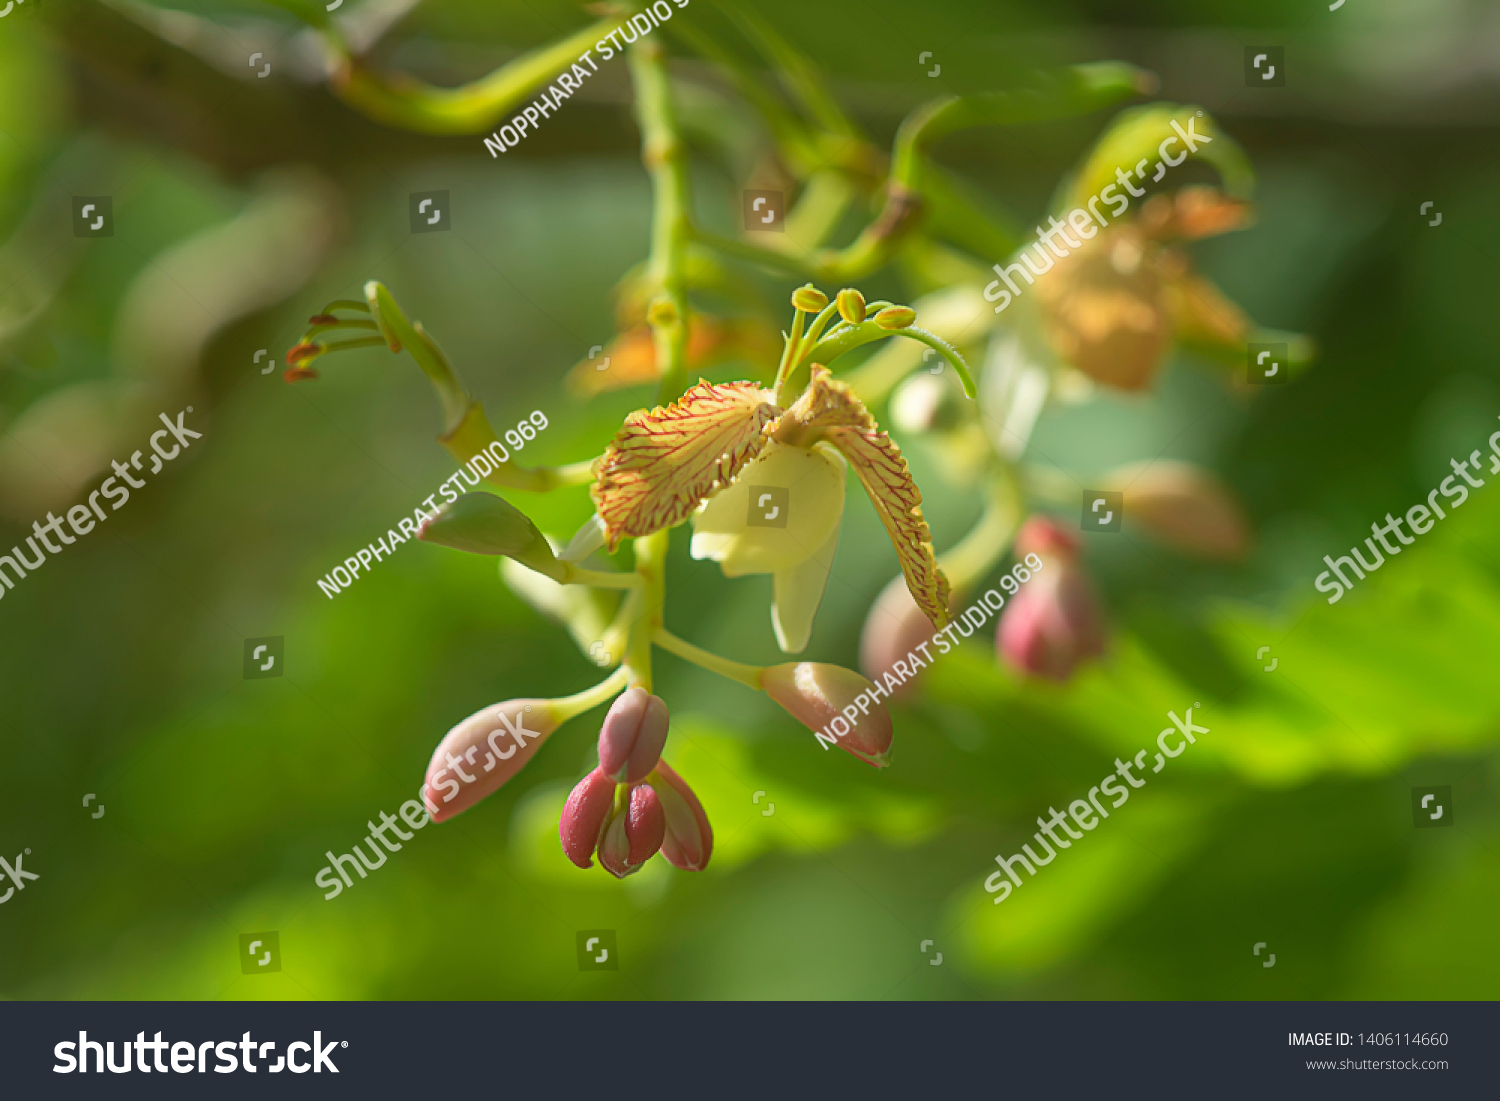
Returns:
point(798, 592)
point(830, 410)
point(752, 527)
point(662, 463)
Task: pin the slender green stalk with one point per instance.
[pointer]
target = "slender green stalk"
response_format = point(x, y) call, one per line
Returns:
point(600, 579)
point(797, 73)
point(748, 675)
point(567, 707)
point(789, 131)
point(397, 99)
point(650, 563)
point(665, 157)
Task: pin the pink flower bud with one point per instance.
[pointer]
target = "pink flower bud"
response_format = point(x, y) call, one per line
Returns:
point(893, 629)
point(1055, 621)
point(634, 732)
point(1044, 536)
point(817, 694)
point(633, 836)
point(483, 752)
point(584, 817)
point(689, 839)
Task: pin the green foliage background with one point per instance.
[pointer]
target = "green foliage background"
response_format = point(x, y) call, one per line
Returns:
point(120, 663)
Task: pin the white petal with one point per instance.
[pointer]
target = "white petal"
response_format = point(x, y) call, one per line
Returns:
point(798, 592)
point(805, 486)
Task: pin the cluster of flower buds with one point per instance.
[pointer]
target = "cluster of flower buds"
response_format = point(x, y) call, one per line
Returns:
point(633, 805)
point(627, 809)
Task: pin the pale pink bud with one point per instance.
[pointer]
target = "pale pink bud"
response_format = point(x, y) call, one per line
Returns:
point(633, 836)
point(893, 629)
point(817, 694)
point(689, 840)
point(632, 737)
point(584, 817)
point(483, 752)
point(1055, 621)
point(1045, 537)
point(1185, 507)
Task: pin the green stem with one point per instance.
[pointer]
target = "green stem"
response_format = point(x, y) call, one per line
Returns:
point(600, 579)
point(748, 675)
point(567, 707)
point(797, 73)
point(396, 99)
point(665, 157)
point(650, 563)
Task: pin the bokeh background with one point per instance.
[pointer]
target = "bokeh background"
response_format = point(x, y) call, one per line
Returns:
point(243, 204)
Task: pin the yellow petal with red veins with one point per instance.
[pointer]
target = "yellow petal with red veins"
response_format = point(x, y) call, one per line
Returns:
point(829, 410)
point(662, 463)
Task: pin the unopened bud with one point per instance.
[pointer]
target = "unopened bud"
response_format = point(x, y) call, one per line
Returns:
point(809, 299)
point(689, 840)
point(632, 737)
point(851, 305)
point(634, 834)
point(584, 817)
point(482, 523)
point(1185, 507)
point(1054, 623)
point(815, 694)
point(895, 317)
point(893, 629)
point(484, 751)
point(1045, 537)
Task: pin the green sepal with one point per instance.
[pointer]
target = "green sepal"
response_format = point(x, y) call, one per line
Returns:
point(482, 523)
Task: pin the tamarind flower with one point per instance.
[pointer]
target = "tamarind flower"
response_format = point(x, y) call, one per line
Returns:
point(762, 476)
point(1055, 622)
point(760, 471)
point(1113, 307)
